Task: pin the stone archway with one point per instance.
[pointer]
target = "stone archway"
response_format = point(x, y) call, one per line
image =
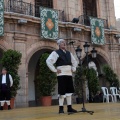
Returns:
point(33, 55)
point(33, 68)
point(38, 46)
point(99, 61)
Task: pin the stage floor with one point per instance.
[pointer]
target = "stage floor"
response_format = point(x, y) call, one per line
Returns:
point(103, 111)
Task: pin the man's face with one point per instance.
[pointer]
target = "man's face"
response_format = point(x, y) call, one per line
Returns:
point(4, 71)
point(63, 45)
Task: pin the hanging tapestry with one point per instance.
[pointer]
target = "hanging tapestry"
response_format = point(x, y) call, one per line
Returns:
point(49, 23)
point(1, 17)
point(97, 31)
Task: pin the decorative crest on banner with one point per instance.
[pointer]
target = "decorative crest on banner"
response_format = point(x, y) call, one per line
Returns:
point(97, 31)
point(49, 23)
point(1, 17)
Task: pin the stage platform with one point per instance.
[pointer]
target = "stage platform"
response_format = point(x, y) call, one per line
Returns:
point(103, 111)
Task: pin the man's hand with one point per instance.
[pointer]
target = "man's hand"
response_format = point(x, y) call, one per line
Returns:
point(58, 71)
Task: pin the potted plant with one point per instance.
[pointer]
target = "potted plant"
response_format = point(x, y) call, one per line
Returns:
point(111, 76)
point(93, 83)
point(11, 60)
point(46, 81)
point(79, 81)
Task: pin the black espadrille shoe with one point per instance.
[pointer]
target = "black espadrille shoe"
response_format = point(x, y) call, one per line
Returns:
point(61, 109)
point(70, 109)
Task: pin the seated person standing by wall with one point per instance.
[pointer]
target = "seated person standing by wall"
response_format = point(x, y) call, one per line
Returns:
point(6, 82)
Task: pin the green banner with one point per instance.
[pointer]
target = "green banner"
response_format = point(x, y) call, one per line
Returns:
point(1, 17)
point(49, 23)
point(97, 31)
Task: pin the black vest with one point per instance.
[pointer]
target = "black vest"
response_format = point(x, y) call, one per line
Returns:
point(7, 80)
point(64, 58)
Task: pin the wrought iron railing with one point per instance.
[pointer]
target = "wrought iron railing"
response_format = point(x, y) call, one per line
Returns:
point(18, 6)
point(85, 20)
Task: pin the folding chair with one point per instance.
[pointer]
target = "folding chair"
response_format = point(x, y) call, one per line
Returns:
point(114, 92)
point(106, 95)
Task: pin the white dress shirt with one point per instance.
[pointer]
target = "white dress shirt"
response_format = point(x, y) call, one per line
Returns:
point(66, 69)
point(93, 65)
point(4, 79)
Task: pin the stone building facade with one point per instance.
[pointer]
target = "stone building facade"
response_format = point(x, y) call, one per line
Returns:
point(26, 37)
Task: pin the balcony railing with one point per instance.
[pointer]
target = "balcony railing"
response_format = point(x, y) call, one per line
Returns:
point(84, 19)
point(18, 6)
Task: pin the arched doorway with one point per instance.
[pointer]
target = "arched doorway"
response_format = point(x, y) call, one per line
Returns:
point(33, 71)
point(99, 61)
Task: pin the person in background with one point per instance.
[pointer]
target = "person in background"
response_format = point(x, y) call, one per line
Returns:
point(6, 82)
point(65, 65)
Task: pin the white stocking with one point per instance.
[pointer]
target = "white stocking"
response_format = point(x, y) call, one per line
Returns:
point(8, 102)
point(2, 103)
point(68, 98)
point(61, 100)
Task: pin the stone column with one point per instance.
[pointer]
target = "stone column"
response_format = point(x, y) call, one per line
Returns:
point(111, 13)
point(114, 56)
point(98, 8)
point(55, 4)
point(74, 9)
point(22, 94)
point(102, 9)
point(106, 10)
point(115, 60)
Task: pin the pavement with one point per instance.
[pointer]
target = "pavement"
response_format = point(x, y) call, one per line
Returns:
point(102, 111)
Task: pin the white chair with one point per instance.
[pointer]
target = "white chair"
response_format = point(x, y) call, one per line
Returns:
point(114, 92)
point(106, 95)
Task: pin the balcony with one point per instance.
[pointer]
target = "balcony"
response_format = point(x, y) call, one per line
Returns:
point(18, 6)
point(84, 20)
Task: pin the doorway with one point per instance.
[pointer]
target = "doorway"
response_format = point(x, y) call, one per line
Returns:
point(33, 71)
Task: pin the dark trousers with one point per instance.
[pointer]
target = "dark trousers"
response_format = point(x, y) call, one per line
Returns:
point(65, 84)
point(5, 92)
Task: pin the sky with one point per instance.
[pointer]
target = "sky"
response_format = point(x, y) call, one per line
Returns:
point(117, 8)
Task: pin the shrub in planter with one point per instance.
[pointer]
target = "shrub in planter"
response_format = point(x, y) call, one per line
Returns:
point(93, 83)
point(79, 81)
point(111, 76)
point(46, 80)
point(11, 60)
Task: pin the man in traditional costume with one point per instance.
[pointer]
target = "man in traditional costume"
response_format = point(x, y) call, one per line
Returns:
point(65, 65)
point(6, 82)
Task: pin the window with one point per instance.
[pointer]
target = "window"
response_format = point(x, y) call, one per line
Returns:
point(89, 8)
point(44, 3)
